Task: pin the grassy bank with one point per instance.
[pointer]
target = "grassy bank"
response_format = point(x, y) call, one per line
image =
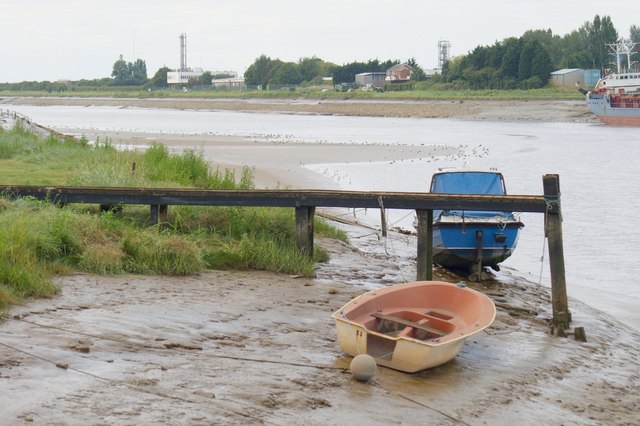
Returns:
point(430, 93)
point(38, 239)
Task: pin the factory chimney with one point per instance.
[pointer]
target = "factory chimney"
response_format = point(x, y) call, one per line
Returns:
point(183, 52)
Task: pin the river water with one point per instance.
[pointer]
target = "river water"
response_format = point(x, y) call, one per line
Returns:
point(599, 177)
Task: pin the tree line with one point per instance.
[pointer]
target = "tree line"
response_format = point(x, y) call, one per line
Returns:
point(265, 72)
point(525, 62)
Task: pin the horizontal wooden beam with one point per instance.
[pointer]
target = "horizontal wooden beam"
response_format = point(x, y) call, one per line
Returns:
point(277, 198)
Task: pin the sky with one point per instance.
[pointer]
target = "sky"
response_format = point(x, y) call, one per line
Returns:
point(72, 39)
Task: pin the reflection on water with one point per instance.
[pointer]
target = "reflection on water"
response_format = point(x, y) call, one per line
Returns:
point(599, 176)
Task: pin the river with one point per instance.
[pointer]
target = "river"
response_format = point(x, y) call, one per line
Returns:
point(599, 177)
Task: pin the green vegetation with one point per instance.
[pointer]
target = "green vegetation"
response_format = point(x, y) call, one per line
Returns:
point(423, 91)
point(129, 73)
point(39, 239)
point(525, 62)
point(265, 72)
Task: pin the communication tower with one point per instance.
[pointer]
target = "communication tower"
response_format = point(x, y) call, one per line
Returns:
point(444, 49)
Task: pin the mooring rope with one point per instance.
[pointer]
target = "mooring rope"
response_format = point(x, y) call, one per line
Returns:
point(544, 246)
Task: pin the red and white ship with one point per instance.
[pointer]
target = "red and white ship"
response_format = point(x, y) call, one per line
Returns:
point(615, 99)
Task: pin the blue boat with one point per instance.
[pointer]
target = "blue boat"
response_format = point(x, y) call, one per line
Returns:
point(471, 240)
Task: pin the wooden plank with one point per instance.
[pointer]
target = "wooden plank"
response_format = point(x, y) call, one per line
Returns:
point(277, 198)
point(553, 230)
point(408, 323)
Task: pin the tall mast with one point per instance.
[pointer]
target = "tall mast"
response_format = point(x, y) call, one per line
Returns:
point(623, 47)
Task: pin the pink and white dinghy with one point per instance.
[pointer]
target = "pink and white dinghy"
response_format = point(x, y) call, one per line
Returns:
point(414, 326)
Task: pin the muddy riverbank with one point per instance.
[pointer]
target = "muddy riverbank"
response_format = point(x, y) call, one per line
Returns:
point(259, 348)
point(492, 110)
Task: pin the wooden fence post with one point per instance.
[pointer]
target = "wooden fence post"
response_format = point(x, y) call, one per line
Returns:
point(158, 214)
point(425, 245)
point(304, 229)
point(553, 231)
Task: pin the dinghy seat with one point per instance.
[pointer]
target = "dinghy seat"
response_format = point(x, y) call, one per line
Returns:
point(434, 332)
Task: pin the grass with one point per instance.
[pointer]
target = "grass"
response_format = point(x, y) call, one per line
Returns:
point(426, 92)
point(39, 240)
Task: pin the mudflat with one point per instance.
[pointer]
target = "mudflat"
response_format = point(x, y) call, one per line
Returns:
point(259, 348)
point(495, 110)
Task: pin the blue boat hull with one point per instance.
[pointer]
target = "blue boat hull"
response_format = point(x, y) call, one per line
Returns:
point(455, 245)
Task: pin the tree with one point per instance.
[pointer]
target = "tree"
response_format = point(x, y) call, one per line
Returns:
point(129, 74)
point(286, 73)
point(259, 72)
point(634, 33)
point(159, 79)
point(551, 43)
point(478, 57)
point(601, 32)
point(138, 71)
point(418, 73)
point(494, 55)
point(310, 68)
point(576, 50)
point(207, 78)
point(541, 65)
point(511, 59)
point(120, 70)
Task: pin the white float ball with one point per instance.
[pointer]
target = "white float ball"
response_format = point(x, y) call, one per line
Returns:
point(363, 367)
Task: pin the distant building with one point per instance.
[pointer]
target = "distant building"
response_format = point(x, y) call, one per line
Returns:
point(399, 72)
point(430, 73)
point(373, 79)
point(591, 77)
point(236, 83)
point(567, 77)
point(227, 74)
point(183, 76)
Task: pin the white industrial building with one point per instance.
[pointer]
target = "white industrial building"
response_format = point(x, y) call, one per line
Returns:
point(183, 77)
point(567, 77)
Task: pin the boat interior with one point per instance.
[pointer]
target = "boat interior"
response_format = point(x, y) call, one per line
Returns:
point(427, 325)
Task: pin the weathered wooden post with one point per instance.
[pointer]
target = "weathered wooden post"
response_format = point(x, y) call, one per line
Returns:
point(425, 245)
point(553, 232)
point(383, 217)
point(159, 214)
point(478, 275)
point(304, 229)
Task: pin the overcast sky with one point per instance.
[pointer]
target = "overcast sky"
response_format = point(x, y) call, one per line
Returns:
point(64, 39)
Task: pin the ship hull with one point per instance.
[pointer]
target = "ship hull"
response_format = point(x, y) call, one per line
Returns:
point(619, 120)
point(619, 114)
